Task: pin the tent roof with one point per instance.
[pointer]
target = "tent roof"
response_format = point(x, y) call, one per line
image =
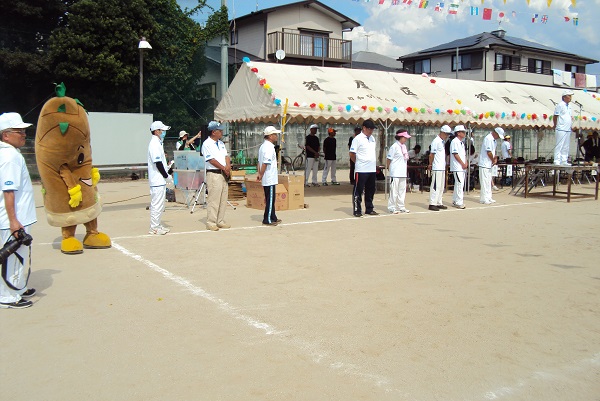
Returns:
point(329, 95)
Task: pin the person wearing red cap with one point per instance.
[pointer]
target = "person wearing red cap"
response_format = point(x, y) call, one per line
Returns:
point(397, 164)
point(329, 146)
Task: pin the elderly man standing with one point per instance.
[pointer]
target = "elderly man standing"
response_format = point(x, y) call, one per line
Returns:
point(218, 169)
point(437, 165)
point(363, 153)
point(458, 165)
point(562, 121)
point(17, 211)
point(267, 174)
point(157, 176)
point(487, 159)
point(312, 147)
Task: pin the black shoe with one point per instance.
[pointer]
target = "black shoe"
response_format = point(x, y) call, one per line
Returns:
point(373, 213)
point(270, 224)
point(21, 304)
point(29, 293)
point(442, 207)
point(279, 221)
point(434, 208)
point(357, 214)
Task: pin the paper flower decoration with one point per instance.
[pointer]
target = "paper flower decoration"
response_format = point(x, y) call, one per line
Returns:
point(296, 104)
point(340, 108)
point(424, 75)
point(313, 105)
point(437, 111)
point(254, 69)
point(523, 115)
point(432, 81)
point(371, 108)
point(480, 116)
point(469, 112)
point(357, 108)
point(270, 90)
point(459, 101)
point(277, 102)
point(593, 118)
point(545, 116)
point(273, 97)
point(492, 114)
point(387, 109)
point(429, 111)
point(348, 107)
point(395, 109)
point(409, 109)
point(364, 108)
point(514, 113)
point(449, 111)
point(422, 110)
point(463, 112)
point(304, 104)
point(246, 59)
point(321, 106)
point(329, 107)
point(457, 111)
point(267, 86)
point(262, 82)
point(534, 116)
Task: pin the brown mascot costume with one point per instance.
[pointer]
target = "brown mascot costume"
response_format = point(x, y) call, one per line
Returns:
point(64, 159)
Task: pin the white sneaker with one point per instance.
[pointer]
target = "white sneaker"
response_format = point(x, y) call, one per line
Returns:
point(495, 188)
point(157, 231)
point(458, 206)
point(485, 203)
point(492, 201)
point(165, 228)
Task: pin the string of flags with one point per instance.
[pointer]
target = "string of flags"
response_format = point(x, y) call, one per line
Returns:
point(486, 13)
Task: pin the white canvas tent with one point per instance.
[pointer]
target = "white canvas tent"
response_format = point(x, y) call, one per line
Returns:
point(340, 95)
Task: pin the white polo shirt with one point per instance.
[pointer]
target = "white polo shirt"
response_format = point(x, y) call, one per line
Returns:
point(14, 176)
point(457, 147)
point(505, 148)
point(267, 155)
point(488, 145)
point(398, 167)
point(564, 121)
point(156, 153)
point(439, 152)
point(366, 153)
point(212, 149)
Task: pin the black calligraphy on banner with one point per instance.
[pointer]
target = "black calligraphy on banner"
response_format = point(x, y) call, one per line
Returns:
point(483, 97)
point(407, 91)
point(508, 100)
point(360, 84)
point(533, 99)
point(312, 86)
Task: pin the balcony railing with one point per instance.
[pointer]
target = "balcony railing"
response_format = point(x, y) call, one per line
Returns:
point(308, 46)
point(522, 68)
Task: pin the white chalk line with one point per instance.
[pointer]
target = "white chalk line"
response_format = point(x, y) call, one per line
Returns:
point(299, 223)
point(318, 356)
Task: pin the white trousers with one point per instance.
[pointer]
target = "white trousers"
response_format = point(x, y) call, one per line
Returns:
point(312, 164)
point(15, 270)
point(329, 165)
point(485, 184)
point(561, 151)
point(157, 205)
point(397, 194)
point(216, 202)
point(436, 190)
point(459, 187)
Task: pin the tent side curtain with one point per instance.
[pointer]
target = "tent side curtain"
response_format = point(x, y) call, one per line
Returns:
point(340, 95)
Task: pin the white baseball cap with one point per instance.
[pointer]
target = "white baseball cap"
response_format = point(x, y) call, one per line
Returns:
point(12, 120)
point(446, 129)
point(158, 125)
point(460, 128)
point(182, 134)
point(500, 132)
point(271, 130)
point(568, 92)
point(314, 126)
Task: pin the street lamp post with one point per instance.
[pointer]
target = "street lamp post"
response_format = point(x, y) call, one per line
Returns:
point(142, 45)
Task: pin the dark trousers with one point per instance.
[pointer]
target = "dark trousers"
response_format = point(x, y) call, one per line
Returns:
point(352, 180)
point(363, 182)
point(270, 195)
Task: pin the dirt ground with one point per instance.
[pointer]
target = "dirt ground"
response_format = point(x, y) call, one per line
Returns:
point(489, 303)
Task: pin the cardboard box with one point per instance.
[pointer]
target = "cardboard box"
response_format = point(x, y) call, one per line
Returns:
point(295, 187)
point(255, 195)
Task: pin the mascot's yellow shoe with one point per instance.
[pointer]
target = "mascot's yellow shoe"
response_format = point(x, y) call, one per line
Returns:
point(96, 241)
point(71, 246)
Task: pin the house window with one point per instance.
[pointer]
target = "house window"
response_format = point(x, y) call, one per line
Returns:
point(539, 66)
point(313, 44)
point(575, 68)
point(473, 61)
point(507, 62)
point(423, 66)
point(233, 37)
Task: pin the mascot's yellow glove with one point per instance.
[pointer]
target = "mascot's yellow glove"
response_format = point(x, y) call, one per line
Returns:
point(76, 196)
point(95, 176)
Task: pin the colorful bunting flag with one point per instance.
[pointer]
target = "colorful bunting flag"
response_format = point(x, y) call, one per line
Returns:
point(474, 10)
point(423, 4)
point(407, 2)
point(575, 21)
point(549, 2)
point(534, 18)
point(574, 3)
point(395, 2)
point(487, 13)
point(501, 16)
point(453, 9)
point(514, 14)
point(567, 19)
point(382, 1)
point(439, 7)
point(544, 19)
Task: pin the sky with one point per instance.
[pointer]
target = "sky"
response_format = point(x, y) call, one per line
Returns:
point(397, 30)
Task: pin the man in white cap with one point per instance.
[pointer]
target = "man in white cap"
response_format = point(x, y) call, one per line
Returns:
point(267, 174)
point(312, 147)
point(458, 165)
point(488, 159)
point(437, 165)
point(562, 121)
point(184, 143)
point(397, 164)
point(17, 211)
point(157, 176)
point(363, 152)
point(218, 170)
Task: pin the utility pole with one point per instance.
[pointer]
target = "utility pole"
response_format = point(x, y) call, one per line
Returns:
point(367, 36)
point(224, 65)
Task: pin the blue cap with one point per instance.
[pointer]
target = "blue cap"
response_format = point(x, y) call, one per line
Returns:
point(213, 125)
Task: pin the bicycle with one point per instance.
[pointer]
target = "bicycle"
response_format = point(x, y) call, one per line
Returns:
point(299, 161)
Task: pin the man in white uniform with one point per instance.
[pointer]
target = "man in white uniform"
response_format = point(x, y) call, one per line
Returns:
point(488, 159)
point(437, 165)
point(157, 175)
point(363, 152)
point(458, 165)
point(218, 170)
point(267, 174)
point(397, 159)
point(17, 211)
point(562, 121)
point(506, 149)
